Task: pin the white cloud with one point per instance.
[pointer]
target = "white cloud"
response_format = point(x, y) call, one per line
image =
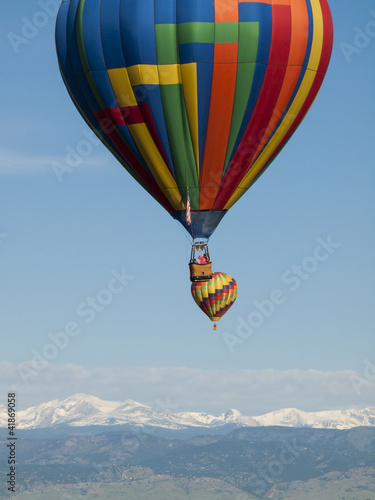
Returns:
point(253, 392)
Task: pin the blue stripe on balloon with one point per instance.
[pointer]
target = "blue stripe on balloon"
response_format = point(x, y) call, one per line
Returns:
point(61, 45)
point(311, 33)
point(196, 11)
point(165, 12)
point(111, 36)
point(104, 88)
point(92, 35)
point(71, 39)
point(86, 92)
point(204, 78)
point(72, 66)
point(138, 32)
point(65, 55)
point(196, 52)
point(77, 79)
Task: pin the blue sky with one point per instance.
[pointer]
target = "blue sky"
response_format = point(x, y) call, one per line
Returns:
point(63, 243)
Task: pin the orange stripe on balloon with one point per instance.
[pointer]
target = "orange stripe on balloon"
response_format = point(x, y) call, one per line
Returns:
point(226, 11)
point(226, 53)
point(221, 108)
point(300, 32)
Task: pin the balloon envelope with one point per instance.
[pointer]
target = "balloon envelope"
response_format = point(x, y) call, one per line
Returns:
point(215, 296)
point(194, 96)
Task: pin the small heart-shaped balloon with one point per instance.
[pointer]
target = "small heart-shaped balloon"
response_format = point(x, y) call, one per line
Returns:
point(215, 296)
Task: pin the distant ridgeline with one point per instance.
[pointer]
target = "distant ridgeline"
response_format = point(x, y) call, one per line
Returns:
point(253, 462)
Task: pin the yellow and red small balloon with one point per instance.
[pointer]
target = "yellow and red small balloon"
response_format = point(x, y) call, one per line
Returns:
point(216, 296)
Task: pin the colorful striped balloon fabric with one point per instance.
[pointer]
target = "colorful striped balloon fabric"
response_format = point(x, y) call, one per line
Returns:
point(216, 296)
point(194, 96)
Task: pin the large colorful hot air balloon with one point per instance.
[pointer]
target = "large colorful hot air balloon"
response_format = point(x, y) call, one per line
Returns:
point(195, 98)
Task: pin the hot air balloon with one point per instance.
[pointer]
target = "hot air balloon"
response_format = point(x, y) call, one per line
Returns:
point(195, 98)
point(215, 296)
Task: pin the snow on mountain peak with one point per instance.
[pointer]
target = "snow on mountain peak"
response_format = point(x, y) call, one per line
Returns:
point(233, 413)
point(80, 410)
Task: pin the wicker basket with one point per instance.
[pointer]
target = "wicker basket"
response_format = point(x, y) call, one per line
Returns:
point(200, 272)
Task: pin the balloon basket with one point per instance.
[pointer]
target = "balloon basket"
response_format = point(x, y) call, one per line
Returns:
point(215, 327)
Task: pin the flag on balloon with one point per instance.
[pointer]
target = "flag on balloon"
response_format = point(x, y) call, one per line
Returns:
point(188, 210)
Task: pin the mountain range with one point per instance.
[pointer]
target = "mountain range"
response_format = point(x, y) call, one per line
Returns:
point(82, 410)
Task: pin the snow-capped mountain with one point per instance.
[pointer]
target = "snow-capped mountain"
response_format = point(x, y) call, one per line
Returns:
point(339, 419)
point(82, 410)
